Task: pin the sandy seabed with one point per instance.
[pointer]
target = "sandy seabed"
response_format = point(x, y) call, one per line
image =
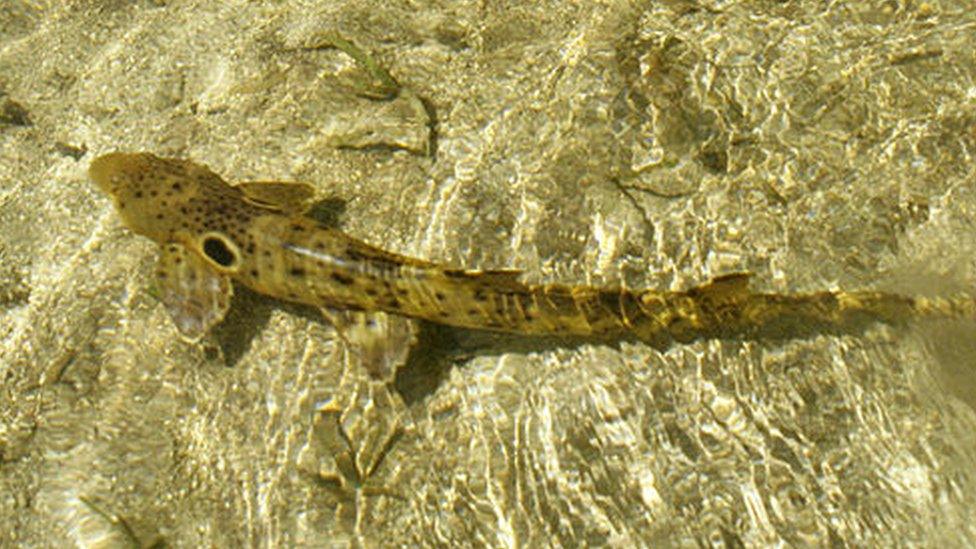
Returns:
point(651, 144)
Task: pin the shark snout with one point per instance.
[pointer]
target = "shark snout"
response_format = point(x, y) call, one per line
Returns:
point(104, 169)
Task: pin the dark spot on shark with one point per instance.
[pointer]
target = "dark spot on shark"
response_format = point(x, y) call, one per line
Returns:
point(343, 279)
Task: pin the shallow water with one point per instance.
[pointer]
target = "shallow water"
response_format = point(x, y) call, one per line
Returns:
point(655, 144)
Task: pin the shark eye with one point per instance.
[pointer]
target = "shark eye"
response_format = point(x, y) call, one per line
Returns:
point(220, 251)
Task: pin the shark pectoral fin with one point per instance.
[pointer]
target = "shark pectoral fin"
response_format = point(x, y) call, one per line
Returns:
point(286, 196)
point(195, 295)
